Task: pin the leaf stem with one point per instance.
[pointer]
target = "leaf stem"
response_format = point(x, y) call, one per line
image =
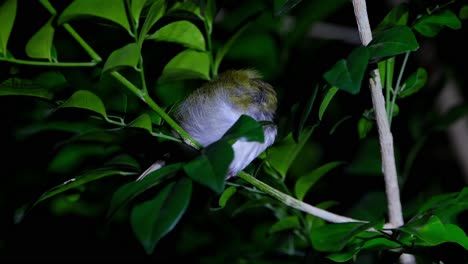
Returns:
point(46, 4)
point(142, 94)
point(50, 64)
point(214, 70)
point(397, 87)
point(294, 203)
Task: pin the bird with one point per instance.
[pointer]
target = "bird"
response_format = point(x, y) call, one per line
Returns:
point(209, 111)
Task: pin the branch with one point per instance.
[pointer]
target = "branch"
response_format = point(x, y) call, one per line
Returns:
point(385, 135)
point(294, 203)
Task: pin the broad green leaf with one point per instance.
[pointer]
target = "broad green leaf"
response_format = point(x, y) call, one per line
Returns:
point(143, 121)
point(84, 178)
point(246, 128)
point(111, 10)
point(210, 168)
point(398, 16)
point(226, 195)
point(380, 243)
point(225, 48)
point(393, 41)
point(189, 64)
point(124, 161)
point(281, 155)
point(24, 87)
point(446, 206)
point(51, 80)
point(286, 7)
point(129, 191)
point(377, 243)
point(188, 7)
point(364, 126)
point(8, 15)
point(431, 25)
point(463, 14)
point(155, 12)
point(85, 99)
point(344, 256)
point(304, 183)
point(182, 32)
point(127, 56)
point(326, 100)
point(347, 74)
point(40, 44)
point(289, 222)
point(431, 232)
point(153, 219)
point(334, 237)
point(414, 83)
point(136, 6)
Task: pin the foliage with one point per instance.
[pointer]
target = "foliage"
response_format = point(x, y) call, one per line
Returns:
point(87, 89)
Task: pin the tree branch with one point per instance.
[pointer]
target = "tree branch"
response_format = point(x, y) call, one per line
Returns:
point(385, 135)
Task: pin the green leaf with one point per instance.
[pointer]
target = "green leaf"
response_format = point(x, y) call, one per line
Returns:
point(182, 32)
point(326, 100)
point(304, 183)
point(155, 12)
point(226, 195)
point(143, 121)
point(210, 168)
point(286, 7)
point(431, 232)
point(393, 41)
point(281, 155)
point(136, 6)
point(23, 87)
point(129, 191)
point(414, 83)
point(111, 10)
point(85, 99)
point(334, 237)
point(364, 127)
point(153, 219)
point(347, 74)
point(82, 179)
point(40, 44)
point(8, 15)
point(127, 56)
point(188, 64)
point(288, 222)
point(398, 16)
point(431, 25)
point(463, 14)
point(446, 206)
point(188, 7)
point(225, 48)
point(246, 128)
